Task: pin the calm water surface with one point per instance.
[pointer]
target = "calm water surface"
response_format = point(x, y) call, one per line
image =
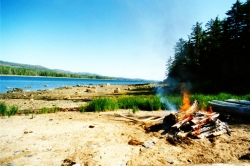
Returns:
point(42, 83)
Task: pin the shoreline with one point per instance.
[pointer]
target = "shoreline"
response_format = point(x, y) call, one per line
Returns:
point(69, 96)
point(35, 83)
point(53, 77)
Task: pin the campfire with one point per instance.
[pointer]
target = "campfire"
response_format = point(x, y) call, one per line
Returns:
point(191, 121)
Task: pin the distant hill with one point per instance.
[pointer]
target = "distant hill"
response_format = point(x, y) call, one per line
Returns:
point(38, 67)
point(27, 66)
point(11, 68)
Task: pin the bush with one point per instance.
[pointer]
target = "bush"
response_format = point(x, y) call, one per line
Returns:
point(3, 109)
point(12, 111)
point(82, 108)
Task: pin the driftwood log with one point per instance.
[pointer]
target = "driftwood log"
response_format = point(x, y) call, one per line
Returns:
point(230, 107)
point(243, 102)
point(149, 119)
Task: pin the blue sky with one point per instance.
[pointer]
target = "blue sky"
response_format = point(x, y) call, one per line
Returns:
point(120, 38)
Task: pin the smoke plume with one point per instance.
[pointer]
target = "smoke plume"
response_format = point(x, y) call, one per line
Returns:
point(164, 100)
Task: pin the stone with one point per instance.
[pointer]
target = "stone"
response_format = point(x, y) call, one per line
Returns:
point(68, 87)
point(16, 152)
point(9, 164)
point(29, 155)
point(170, 160)
point(76, 165)
point(17, 90)
point(117, 90)
point(148, 144)
point(66, 97)
point(91, 90)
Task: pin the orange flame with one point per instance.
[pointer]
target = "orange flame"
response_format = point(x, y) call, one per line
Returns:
point(205, 109)
point(185, 102)
point(210, 110)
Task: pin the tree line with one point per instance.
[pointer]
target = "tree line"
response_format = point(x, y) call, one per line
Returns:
point(216, 58)
point(8, 70)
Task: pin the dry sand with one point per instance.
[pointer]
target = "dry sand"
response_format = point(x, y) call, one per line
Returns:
point(68, 138)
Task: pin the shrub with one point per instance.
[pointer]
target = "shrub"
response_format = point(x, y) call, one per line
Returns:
point(3, 109)
point(82, 108)
point(13, 110)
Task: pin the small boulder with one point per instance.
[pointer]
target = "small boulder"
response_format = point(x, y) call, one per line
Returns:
point(117, 90)
point(66, 97)
point(91, 90)
point(17, 90)
point(68, 87)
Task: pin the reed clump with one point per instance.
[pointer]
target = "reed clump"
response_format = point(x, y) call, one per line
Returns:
point(152, 102)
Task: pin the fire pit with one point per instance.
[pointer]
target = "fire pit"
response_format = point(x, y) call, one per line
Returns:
point(192, 122)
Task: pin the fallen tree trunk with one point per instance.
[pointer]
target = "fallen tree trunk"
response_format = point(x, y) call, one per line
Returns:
point(243, 102)
point(230, 108)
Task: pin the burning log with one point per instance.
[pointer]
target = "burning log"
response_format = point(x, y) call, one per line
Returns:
point(218, 129)
point(194, 108)
point(198, 124)
point(179, 124)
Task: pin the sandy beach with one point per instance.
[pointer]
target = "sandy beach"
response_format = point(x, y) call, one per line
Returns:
point(74, 138)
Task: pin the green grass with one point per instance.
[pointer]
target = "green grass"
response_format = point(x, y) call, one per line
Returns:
point(126, 102)
point(53, 110)
point(26, 112)
point(13, 110)
point(3, 109)
point(152, 102)
point(45, 110)
point(100, 104)
point(135, 103)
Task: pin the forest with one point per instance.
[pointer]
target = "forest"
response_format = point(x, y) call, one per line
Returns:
point(10, 70)
point(217, 58)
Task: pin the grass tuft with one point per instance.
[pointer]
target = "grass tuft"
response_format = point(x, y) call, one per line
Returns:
point(101, 104)
point(3, 109)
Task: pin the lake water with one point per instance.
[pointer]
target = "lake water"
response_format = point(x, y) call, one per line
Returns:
point(42, 83)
